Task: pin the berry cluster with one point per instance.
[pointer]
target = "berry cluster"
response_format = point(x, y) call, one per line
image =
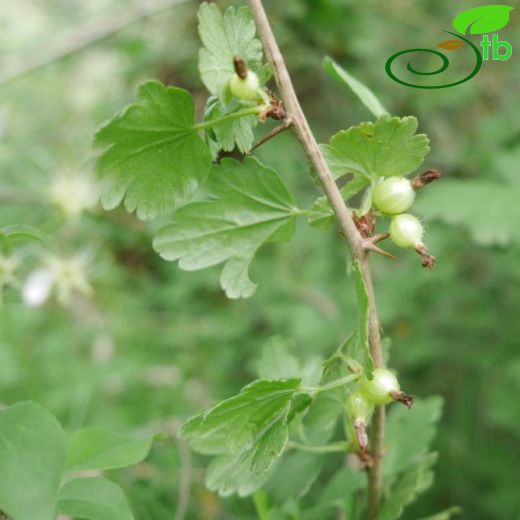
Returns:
point(382, 389)
point(394, 196)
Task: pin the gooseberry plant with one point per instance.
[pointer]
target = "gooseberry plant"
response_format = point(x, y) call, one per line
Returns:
point(156, 159)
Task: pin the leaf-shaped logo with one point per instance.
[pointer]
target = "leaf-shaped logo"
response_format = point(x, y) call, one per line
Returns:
point(451, 45)
point(480, 20)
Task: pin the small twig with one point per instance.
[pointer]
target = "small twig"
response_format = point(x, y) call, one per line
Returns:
point(273, 133)
point(82, 38)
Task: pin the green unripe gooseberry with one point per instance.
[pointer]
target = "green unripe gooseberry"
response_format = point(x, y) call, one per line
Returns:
point(358, 406)
point(248, 88)
point(380, 388)
point(393, 195)
point(406, 230)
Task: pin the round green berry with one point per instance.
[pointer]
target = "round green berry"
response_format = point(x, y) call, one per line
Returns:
point(393, 195)
point(248, 88)
point(358, 406)
point(380, 388)
point(406, 230)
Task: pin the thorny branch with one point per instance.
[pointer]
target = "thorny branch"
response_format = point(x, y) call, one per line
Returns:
point(348, 227)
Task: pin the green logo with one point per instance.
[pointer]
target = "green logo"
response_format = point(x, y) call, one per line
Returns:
point(479, 20)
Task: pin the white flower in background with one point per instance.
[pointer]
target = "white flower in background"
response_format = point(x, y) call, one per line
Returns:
point(74, 193)
point(38, 287)
point(22, 23)
point(63, 276)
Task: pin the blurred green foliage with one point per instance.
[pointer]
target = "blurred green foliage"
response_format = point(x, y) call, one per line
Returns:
point(151, 345)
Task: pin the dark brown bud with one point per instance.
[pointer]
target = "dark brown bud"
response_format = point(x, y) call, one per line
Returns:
point(404, 398)
point(365, 224)
point(425, 178)
point(427, 260)
point(240, 67)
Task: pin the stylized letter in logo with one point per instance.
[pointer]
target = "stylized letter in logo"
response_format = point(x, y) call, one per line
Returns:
point(479, 20)
point(497, 55)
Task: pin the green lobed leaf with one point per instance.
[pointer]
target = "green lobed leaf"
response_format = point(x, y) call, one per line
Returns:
point(277, 361)
point(94, 499)
point(153, 157)
point(354, 186)
point(251, 206)
point(362, 354)
point(233, 133)
point(321, 214)
point(96, 449)
point(294, 475)
point(415, 481)
point(345, 482)
point(409, 434)
point(250, 432)
point(366, 96)
point(236, 132)
point(386, 148)
point(489, 211)
point(32, 460)
point(228, 475)
point(225, 36)
point(328, 407)
point(336, 494)
point(484, 19)
point(234, 279)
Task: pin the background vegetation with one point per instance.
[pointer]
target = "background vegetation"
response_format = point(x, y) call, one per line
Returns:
point(149, 345)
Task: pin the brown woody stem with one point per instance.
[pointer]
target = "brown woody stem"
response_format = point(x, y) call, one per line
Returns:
point(345, 220)
point(273, 133)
